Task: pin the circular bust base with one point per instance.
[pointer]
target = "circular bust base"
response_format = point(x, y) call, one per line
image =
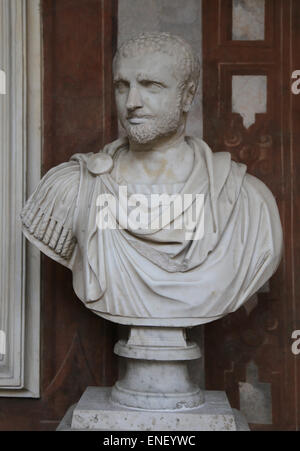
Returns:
point(156, 376)
point(157, 385)
point(156, 401)
point(166, 353)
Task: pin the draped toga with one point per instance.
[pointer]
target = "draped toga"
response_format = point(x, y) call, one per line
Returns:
point(139, 277)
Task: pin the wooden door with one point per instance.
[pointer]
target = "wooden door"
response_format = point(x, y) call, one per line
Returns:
point(249, 352)
point(79, 39)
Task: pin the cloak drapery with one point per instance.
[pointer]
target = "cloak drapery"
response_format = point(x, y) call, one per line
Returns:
point(139, 277)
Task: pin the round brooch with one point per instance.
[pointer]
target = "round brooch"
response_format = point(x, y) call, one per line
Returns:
point(99, 163)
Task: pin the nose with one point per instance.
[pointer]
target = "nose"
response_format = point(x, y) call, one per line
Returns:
point(134, 100)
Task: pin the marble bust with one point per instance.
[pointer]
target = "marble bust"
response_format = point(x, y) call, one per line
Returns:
point(146, 277)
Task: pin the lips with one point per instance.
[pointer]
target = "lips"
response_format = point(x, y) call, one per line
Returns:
point(134, 120)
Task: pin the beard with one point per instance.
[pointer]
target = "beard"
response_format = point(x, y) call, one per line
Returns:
point(161, 126)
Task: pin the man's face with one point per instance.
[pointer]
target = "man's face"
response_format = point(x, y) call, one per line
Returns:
point(148, 96)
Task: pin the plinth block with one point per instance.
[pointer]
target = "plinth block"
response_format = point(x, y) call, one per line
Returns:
point(95, 411)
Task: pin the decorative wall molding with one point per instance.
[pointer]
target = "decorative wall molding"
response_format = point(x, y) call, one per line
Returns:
point(20, 156)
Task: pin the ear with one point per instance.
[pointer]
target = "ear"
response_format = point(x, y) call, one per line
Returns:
point(188, 96)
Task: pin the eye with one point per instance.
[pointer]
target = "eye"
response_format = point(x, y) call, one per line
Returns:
point(153, 86)
point(121, 86)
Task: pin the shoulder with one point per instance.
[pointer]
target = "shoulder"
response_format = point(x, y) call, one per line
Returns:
point(223, 172)
point(60, 178)
point(259, 189)
point(47, 216)
point(57, 190)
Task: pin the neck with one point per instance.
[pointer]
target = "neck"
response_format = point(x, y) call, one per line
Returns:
point(167, 161)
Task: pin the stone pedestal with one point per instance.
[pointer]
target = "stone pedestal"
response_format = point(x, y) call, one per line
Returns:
point(156, 376)
point(156, 392)
point(96, 412)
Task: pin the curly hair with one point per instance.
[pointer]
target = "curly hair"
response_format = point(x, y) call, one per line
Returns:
point(187, 62)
